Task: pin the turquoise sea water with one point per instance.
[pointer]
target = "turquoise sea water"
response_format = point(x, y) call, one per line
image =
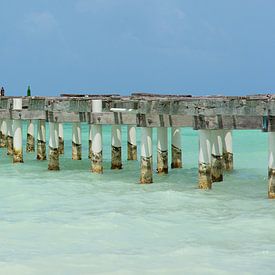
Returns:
point(75, 222)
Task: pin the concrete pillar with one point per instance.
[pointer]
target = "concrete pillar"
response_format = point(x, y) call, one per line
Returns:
point(162, 151)
point(146, 160)
point(3, 140)
point(96, 158)
point(271, 165)
point(227, 150)
point(205, 145)
point(53, 146)
point(116, 147)
point(9, 137)
point(217, 152)
point(60, 139)
point(132, 143)
point(76, 141)
point(30, 146)
point(17, 134)
point(90, 142)
point(41, 140)
point(176, 148)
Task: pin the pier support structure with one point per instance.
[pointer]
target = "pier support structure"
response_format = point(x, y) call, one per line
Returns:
point(162, 150)
point(3, 140)
point(271, 165)
point(131, 143)
point(146, 159)
point(217, 156)
point(53, 147)
point(41, 140)
point(205, 145)
point(96, 129)
point(30, 146)
point(176, 148)
point(17, 134)
point(9, 137)
point(60, 139)
point(90, 142)
point(227, 150)
point(76, 141)
point(116, 147)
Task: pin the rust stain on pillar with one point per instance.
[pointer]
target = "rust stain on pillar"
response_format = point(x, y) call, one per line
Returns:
point(162, 162)
point(271, 183)
point(96, 161)
point(41, 150)
point(217, 168)
point(205, 179)
point(116, 158)
point(9, 145)
point(146, 175)
point(228, 161)
point(132, 151)
point(76, 151)
point(17, 156)
point(30, 143)
point(60, 145)
point(176, 157)
point(53, 159)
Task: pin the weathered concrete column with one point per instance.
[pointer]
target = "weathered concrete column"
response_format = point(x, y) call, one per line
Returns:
point(132, 143)
point(3, 137)
point(9, 137)
point(41, 140)
point(227, 150)
point(176, 148)
point(76, 141)
point(90, 142)
point(53, 147)
point(96, 158)
point(217, 160)
point(205, 180)
point(146, 160)
point(116, 147)
point(271, 165)
point(60, 139)
point(30, 146)
point(17, 134)
point(162, 148)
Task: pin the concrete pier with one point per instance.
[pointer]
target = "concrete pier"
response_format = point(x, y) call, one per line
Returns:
point(9, 137)
point(17, 133)
point(146, 159)
point(116, 147)
point(217, 156)
point(90, 142)
point(162, 150)
point(41, 140)
point(176, 148)
point(227, 150)
point(76, 141)
point(3, 135)
point(30, 146)
point(53, 147)
point(60, 139)
point(271, 165)
point(205, 146)
point(96, 159)
point(131, 143)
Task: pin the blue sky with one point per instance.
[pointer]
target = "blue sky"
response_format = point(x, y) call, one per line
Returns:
point(163, 46)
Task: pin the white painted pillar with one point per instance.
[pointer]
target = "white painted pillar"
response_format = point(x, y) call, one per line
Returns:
point(162, 150)
point(116, 147)
point(41, 140)
point(176, 148)
point(17, 134)
point(217, 159)
point(271, 165)
point(53, 146)
point(205, 145)
point(60, 139)
point(227, 150)
point(30, 146)
point(90, 141)
point(146, 159)
point(132, 142)
point(9, 137)
point(76, 141)
point(3, 135)
point(96, 129)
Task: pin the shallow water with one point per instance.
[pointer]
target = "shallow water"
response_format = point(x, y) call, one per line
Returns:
point(75, 222)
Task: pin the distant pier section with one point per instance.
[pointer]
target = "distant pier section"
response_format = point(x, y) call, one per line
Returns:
point(215, 118)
